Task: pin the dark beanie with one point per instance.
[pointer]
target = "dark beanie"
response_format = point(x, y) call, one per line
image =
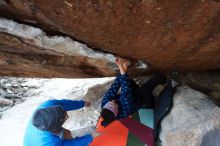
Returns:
point(108, 117)
point(49, 119)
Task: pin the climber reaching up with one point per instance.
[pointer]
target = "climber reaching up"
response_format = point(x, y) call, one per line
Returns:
point(132, 97)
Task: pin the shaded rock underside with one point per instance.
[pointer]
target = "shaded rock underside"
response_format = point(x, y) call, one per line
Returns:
point(175, 35)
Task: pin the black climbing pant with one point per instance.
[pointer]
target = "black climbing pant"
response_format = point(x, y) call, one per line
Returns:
point(143, 95)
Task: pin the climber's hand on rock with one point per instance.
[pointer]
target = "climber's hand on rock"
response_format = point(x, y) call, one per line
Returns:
point(125, 63)
point(119, 62)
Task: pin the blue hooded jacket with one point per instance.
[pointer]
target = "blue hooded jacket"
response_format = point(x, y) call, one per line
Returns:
point(36, 137)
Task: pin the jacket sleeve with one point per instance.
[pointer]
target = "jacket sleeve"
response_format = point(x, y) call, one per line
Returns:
point(112, 92)
point(67, 105)
point(79, 141)
point(125, 98)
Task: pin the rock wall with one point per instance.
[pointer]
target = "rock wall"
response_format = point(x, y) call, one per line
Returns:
point(28, 51)
point(175, 35)
point(205, 82)
point(193, 120)
point(15, 90)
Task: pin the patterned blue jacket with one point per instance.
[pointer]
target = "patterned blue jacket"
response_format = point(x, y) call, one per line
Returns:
point(126, 105)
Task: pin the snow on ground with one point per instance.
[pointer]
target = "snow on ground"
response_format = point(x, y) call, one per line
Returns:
point(13, 121)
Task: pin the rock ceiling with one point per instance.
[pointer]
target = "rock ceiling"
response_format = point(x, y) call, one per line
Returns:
point(79, 38)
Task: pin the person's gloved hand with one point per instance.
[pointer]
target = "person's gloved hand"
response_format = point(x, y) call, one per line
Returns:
point(95, 134)
point(87, 103)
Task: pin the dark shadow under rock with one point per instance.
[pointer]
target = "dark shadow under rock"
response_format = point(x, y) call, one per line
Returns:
point(206, 82)
point(211, 138)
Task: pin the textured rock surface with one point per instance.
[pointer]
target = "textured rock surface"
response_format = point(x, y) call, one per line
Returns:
point(28, 51)
point(180, 35)
point(205, 82)
point(15, 90)
point(193, 120)
point(94, 95)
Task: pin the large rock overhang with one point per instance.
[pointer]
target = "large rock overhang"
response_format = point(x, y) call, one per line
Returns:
point(29, 52)
point(176, 35)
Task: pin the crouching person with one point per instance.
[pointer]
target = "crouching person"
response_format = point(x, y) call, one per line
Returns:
point(45, 127)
